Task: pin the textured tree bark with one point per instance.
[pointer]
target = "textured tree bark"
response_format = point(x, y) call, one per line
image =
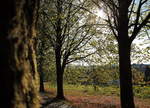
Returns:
point(18, 79)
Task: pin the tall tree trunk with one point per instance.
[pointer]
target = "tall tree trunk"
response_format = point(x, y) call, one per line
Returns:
point(59, 72)
point(127, 100)
point(40, 68)
point(126, 92)
point(17, 58)
point(41, 79)
point(41, 47)
point(60, 91)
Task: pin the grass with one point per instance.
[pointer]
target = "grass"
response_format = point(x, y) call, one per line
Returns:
point(104, 97)
point(140, 92)
point(89, 90)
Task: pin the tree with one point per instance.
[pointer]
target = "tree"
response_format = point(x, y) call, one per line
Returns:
point(45, 58)
point(69, 32)
point(45, 51)
point(126, 18)
point(18, 79)
point(40, 61)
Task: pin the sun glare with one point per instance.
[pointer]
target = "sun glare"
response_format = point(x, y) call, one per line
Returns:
point(100, 13)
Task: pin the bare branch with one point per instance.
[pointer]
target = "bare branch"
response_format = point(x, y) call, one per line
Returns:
point(137, 29)
point(79, 58)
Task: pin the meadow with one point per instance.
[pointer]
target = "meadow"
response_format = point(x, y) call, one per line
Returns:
point(81, 96)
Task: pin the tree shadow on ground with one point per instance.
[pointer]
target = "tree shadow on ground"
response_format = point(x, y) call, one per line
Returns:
point(49, 101)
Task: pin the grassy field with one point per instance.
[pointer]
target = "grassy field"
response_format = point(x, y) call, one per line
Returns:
point(140, 92)
point(104, 97)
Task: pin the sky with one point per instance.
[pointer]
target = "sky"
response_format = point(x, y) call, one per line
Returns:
point(142, 43)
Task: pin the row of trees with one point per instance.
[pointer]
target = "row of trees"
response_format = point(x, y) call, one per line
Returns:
point(124, 18)
point(69, 26)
